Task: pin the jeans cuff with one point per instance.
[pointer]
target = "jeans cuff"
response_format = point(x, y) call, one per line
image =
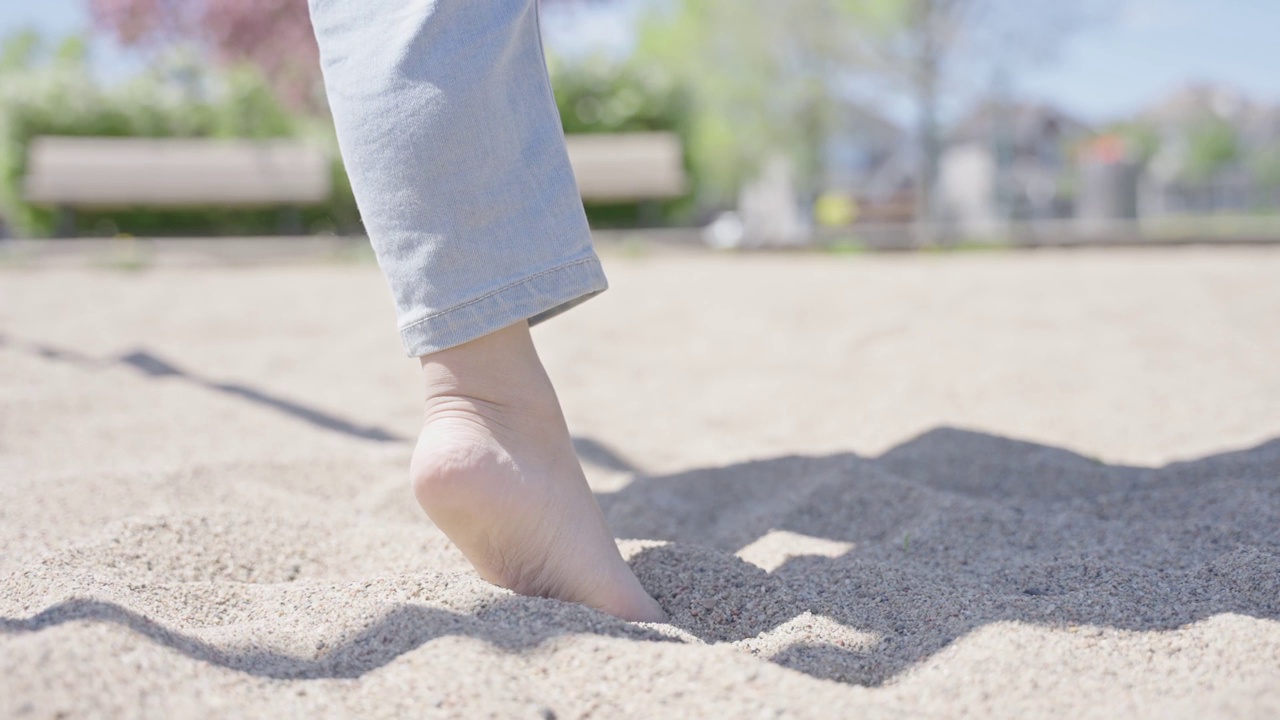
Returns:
point(535, 298)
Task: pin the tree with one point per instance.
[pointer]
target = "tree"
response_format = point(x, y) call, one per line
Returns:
point(768, 76)
point(1212, 144)
point(273, 35)
point(761, 77)
point(923, 48)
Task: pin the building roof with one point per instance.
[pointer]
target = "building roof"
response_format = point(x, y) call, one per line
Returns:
point(1197, 102)
point(1026, 122)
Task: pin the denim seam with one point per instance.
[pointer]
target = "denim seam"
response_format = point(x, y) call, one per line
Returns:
point(497, 291)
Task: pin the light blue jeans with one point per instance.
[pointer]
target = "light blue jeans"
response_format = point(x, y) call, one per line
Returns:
point(451, 138)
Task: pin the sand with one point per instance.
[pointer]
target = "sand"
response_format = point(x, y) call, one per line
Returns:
point(958, 485)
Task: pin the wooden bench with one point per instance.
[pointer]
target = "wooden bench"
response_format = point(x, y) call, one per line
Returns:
point(101, 173)
point(628, 167)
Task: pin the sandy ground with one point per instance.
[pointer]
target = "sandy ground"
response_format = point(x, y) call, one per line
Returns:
point(965, 485)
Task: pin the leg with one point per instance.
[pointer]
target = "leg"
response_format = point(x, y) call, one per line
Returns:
point(451, 139)
point(449, 131)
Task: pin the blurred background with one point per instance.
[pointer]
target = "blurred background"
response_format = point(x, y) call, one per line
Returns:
point(845, 124)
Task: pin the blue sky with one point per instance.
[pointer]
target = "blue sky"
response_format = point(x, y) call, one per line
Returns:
point(1151, 47)
point(1146, 49)
point(58, 18)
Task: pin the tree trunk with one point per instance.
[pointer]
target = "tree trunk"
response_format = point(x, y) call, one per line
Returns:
point(926, 87)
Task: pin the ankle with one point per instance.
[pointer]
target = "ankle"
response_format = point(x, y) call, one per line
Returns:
point(496, 379)
point(492, 374)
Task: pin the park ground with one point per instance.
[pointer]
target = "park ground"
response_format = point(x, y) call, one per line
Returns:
point(987, 484)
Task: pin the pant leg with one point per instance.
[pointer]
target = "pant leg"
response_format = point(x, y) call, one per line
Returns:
point(450, 135)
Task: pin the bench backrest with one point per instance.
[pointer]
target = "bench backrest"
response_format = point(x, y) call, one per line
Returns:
point(119, 172)
point(629, 166)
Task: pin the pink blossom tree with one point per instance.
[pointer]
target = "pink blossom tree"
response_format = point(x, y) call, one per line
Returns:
point(273, 35)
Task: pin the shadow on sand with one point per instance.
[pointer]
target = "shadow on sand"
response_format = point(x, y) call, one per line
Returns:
point(952, 531)
point(401, 630)
point(153, 366)
point(948, 532)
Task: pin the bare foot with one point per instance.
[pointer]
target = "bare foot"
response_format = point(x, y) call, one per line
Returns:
point(496, 471)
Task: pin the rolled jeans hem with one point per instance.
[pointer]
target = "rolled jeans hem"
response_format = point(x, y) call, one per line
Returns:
point(535, 298)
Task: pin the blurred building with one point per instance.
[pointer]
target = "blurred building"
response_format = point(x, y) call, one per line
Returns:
point(1008, 162)
point(1108, 184)
point(1211, 141)
point(871, 160)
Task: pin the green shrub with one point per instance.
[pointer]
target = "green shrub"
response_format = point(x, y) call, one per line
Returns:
point(598, 95)
point(47, 91)
point(43, 93)
point(1212, 144)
